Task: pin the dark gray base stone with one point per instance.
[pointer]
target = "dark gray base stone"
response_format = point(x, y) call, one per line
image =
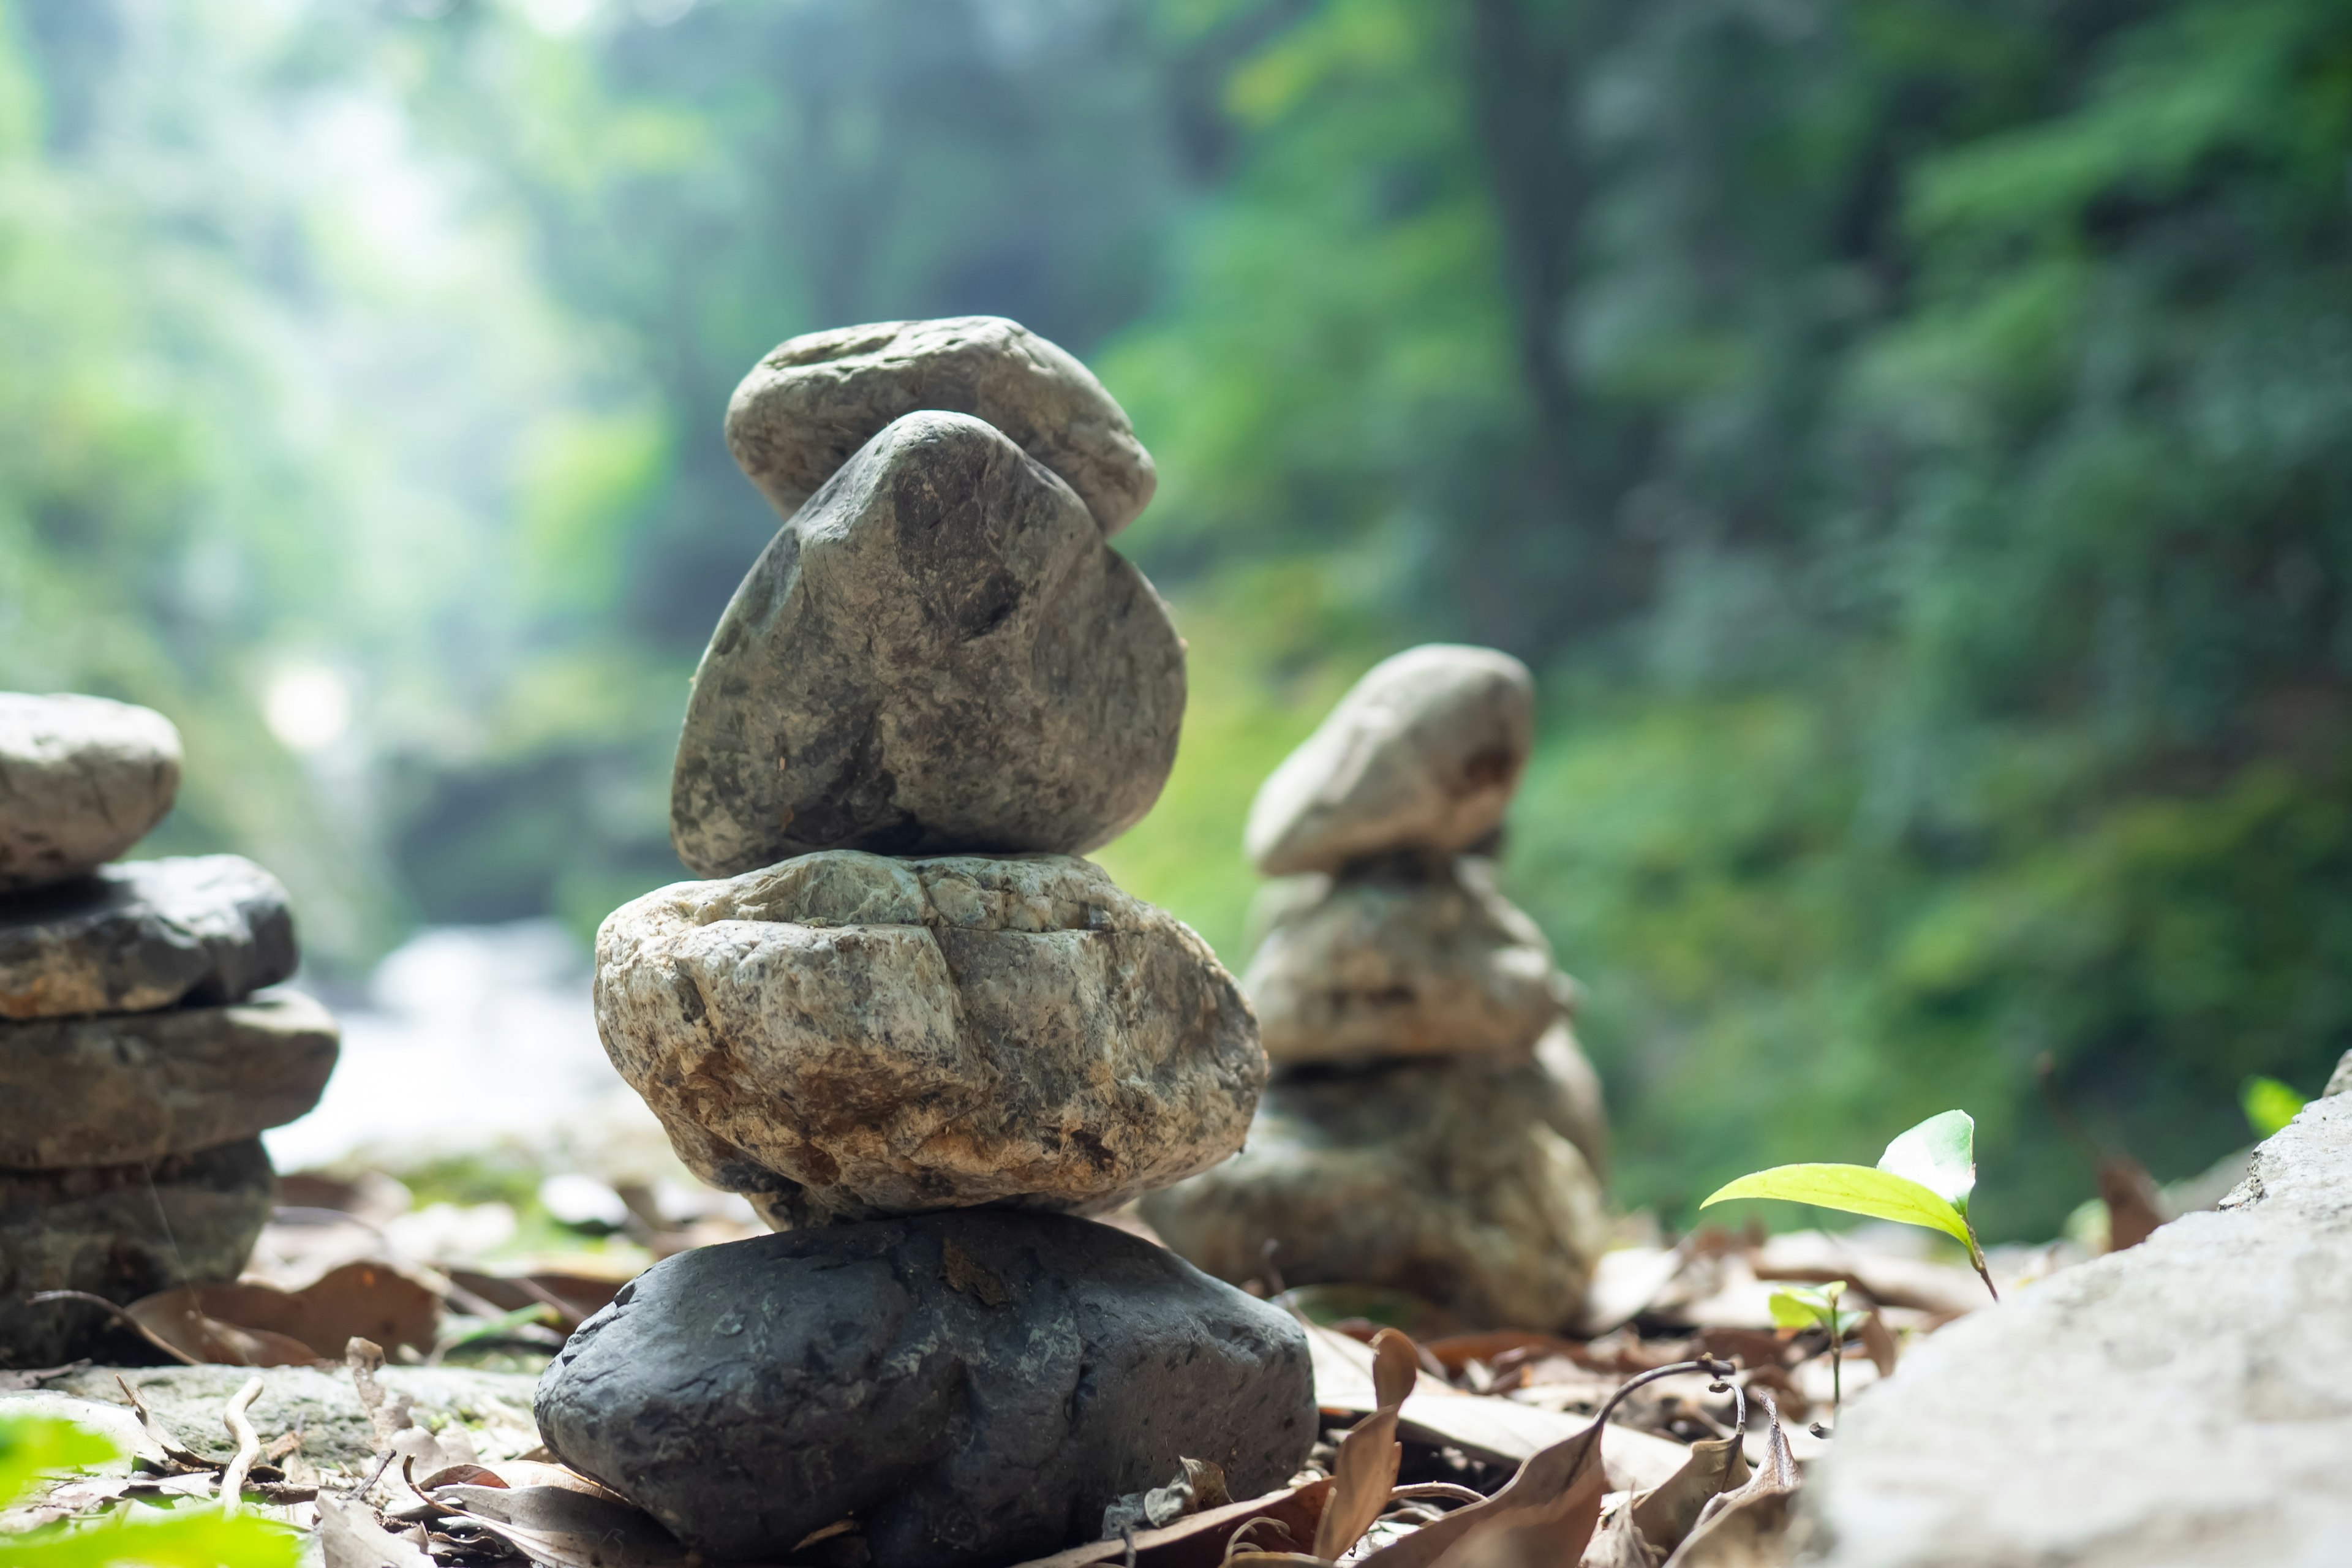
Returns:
point(120, 1232)
point(114, 1088)
point(974, 1388)
point(203, 930)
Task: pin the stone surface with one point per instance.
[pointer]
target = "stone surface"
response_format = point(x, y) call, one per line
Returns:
point(974, 1388)
point(844, 1035)
point(2181, 1402)
point(808, 406)
point(2340, 1081)
point(1456, 1180)
point(139, 1085)
point(205, 930)
point(494, 1407)
point(81, 780)
point(1404, 964)
point(937, 654)
point(1423, 752)
point(120, 1232)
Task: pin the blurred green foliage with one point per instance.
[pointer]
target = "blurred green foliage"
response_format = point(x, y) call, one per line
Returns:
point(1911, 438)
point(193, 1535)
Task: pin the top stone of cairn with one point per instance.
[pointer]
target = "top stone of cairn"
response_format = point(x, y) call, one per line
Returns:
point(812, 402)
point(1423, 752)
point(81, 780)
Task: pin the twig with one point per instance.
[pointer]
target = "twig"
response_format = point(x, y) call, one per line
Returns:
point(248, 1447)
point(1436, 1489)
point(116, 1309)
point(179, 1453)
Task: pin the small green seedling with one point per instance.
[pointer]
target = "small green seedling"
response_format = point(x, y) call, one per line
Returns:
point(1802, 1307)
point(1924, 1179)
point(2269, 1105)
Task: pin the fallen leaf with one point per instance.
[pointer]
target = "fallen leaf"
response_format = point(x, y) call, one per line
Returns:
point(2135, 1207)
point(349, 1537)
point(1365, 1471)
point(560, 1527)
point(1624, 1282)
point(1665, 1515)
point(1744, 1529)
point(1879, 1340)
point(178, 1318)
point(1199, 1540)
point(575, 1297)
point(367, 1299)
point(1618, 1543)
point(1546, 1512)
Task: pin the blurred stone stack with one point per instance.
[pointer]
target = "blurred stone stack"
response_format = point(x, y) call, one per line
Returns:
point(907, 1021)
point(1432, 1125)
point(137, 1067)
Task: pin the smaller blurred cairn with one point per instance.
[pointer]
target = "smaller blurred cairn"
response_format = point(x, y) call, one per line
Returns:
point(135, 1072)
point(1432, 1125)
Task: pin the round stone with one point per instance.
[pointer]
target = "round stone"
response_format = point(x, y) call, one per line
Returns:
point(1455, 1180)
point(81, 780)
point(937, 654)
point(1423, 752)
point(808, 406)
point(205, 929)
point(844, 1035)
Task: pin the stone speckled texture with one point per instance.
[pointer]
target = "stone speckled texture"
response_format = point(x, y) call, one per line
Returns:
point(120, 1232)
point(974, 1388)
point(1369, 966)
point(139, 1085)
point(205, 930)
point(1456, 1180)
point(1423, 752)
point(2180, 1403)
point(81, 780)
point(937, 654)
point(846, 1036)
point(812, 402)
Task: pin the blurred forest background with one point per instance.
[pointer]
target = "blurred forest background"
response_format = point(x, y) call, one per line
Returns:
point(1912, 439)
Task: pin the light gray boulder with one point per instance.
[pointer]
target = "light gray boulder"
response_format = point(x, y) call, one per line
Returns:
point(1456, 1180)
point(121, 1232)
point(847, 1036)
point(814, 401)
point(139, 1086)
point(1432, 961)
point(1423, 752)
point(937, 653)
point(205, 929)
point(81, 780)
point(2182, 1402)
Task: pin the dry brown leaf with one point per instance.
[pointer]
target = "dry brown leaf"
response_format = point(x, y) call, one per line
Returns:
point(1665, 1514)
point(1878, 1342)
point(1744, 1529)
point(1548, 1508)
point(1366, 1469)
point(1199, 1540)
point(565, 1529)
point(1619, 1543)
point(2134, 1206)
point(367, 1299)
point(1457, 1350)
point(178, 1318)
point(349, 1537)
point(574, 1296)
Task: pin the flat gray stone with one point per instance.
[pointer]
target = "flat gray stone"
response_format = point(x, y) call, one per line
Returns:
point(1456, 1180)
point(1428, 962)
point(811, 404)
point(974, 1388)
point(81, 780)
point(1423, 752)
point(204, 930)
point(846, 1036)
point(493, 1407)
point(139, 1085)
point(120, 1232)
point(2180, 1403)
point(937, 654)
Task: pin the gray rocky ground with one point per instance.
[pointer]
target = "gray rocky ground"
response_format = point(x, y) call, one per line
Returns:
point(808, 406)
point(937, 654)
point(200, 929)
point(843, 1035)
point(81, 780)
point(975, 1387)
point(2183, 1403)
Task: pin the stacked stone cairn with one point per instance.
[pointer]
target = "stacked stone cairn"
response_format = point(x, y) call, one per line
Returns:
point(907, 1022)
point(1432, 1126)
point(136, 1067)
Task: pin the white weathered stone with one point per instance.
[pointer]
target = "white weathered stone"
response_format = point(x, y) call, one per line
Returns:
point(847, 1036)
point(937, 654)
point(1423, 752)
point(81, 780)
point(1456, 1180)
point(1431, 962)
point(812, 402)
point(198, 929)
point(2180, 1403)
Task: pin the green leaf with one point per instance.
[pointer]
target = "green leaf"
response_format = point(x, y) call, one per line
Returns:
point(1805, 1306)
point(1852, 1189)
point(2269, 1105)
point(1941, 1154)
point(33, 1446)
point(1790, 1311)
